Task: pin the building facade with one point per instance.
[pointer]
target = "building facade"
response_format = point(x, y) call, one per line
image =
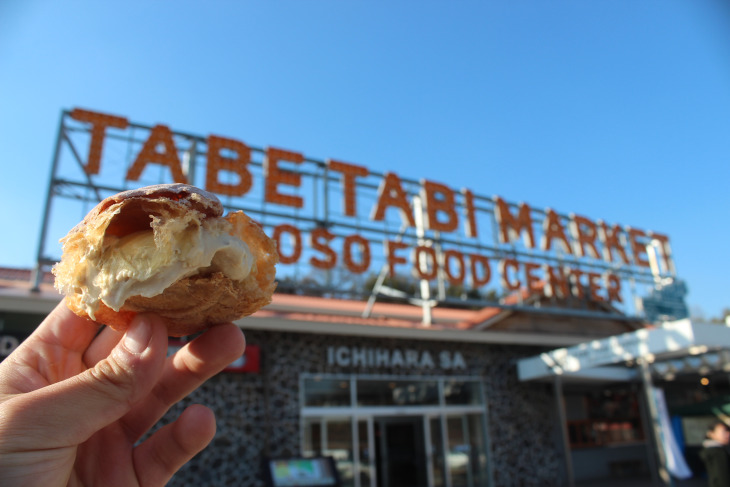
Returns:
point(395, 403)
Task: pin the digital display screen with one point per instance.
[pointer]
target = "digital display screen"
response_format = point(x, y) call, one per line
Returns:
point(303, 472)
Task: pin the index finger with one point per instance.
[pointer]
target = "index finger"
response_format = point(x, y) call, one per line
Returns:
point(64, 329)
point(51, 353)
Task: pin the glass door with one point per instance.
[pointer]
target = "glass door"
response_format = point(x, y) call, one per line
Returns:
point(332, 437)
point(366, 452)
point(400, 451)
point(437, 452)
point(467, 453)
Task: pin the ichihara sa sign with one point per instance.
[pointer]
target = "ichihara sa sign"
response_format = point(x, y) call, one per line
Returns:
point(600, 255)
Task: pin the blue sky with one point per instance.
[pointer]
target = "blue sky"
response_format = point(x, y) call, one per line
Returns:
point(616, 110)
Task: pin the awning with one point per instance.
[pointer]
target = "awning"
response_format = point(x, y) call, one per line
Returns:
point(670, 343)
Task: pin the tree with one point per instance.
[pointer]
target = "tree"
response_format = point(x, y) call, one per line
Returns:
point(722, 319)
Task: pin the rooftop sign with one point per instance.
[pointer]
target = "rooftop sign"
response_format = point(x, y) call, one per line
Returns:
point(342, 219)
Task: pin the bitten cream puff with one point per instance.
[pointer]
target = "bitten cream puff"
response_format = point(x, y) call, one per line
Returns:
point(166, 249)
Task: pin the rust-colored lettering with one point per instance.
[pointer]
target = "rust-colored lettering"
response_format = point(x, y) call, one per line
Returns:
point(611, 240)
point(553, 229)
point(319, 241)
point(507, 283)
point(160, 137)
point(424, 260)
point(352, 266)
point(393, 259)
point(217, 162)
point(454, 279)
point(349, 174)
point(296, 247)
point(99, 123)
point(584, 233)
point(439, 200)
point(471, 214)
point(576, 285)
point(557, 282)
point(391, 194)
point(594, 286)
point(533, 281)
point(637, 240)
point(475, 261)
point(276, 176)
point(613, 287)
point(512, 227)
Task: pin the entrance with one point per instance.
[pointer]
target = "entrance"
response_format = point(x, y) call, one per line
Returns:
point(398, 432)
point(400, 452)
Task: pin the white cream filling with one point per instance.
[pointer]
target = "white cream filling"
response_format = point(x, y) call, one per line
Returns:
point(146, 263)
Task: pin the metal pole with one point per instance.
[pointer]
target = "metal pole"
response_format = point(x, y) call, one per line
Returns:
point(657, 457)
point(422, 264)
point(445, 450)
point(560, 405)
point(190, 156)
point(38, 271)
point(428, 445)
point(355, 450)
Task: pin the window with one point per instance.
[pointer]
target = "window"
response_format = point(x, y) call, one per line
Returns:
point(396, 393)
point(326, 392)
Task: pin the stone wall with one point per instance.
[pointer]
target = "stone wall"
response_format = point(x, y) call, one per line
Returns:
point(258, 414)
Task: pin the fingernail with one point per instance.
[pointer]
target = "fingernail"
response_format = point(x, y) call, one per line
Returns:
point(138, 336)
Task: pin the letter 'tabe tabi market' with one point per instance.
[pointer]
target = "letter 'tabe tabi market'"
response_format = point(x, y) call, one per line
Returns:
point(337, 221)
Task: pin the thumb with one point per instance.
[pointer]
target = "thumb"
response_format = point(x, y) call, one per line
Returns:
point(72, 410)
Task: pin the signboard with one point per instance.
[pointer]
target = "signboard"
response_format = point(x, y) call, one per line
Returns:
point(666, 302)
point(401, 358)
point(339, 223)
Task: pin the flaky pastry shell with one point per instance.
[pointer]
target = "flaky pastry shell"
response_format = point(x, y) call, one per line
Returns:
point(192, 303)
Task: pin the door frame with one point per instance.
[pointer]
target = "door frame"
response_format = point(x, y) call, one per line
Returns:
point(355, 414)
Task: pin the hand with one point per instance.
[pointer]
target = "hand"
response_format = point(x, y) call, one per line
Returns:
point(73, 404)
